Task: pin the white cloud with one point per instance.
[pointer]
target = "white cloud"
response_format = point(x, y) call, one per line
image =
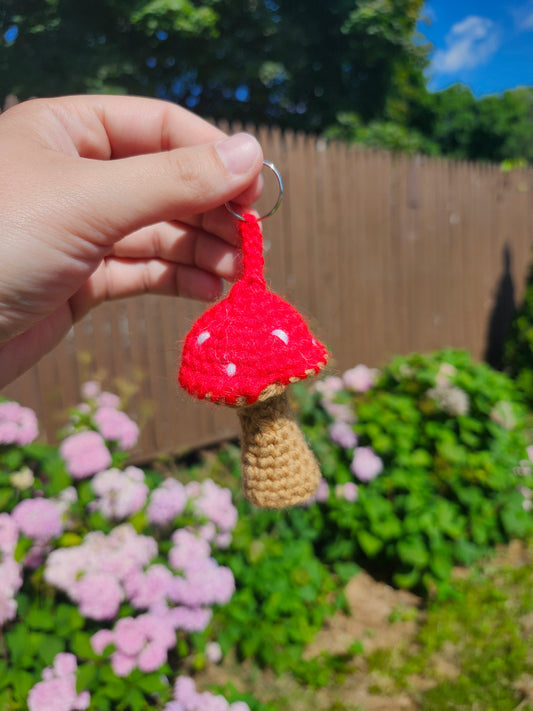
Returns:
point(469, 43)
point(523, 17)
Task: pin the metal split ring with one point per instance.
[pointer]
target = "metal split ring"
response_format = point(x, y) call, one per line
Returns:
point(278, 202)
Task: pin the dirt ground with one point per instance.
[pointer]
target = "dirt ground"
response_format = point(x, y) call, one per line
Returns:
point(380, 617)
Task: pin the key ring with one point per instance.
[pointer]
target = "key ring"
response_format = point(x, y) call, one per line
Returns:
point(280, 185)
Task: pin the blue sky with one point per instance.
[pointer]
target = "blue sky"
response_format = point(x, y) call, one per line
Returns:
point(485, 44)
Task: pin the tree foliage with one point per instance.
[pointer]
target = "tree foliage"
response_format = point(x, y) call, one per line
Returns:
point(352, 69)
point(293, 62)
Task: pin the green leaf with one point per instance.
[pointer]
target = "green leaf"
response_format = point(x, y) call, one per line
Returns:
point(370, 545)
point(85, 677)
point(23, 546)
point(151, 683)
point(441, 564)
point(135, 700)
point(16, 640)
point(67, 619)
point(49, 646)
point(22, 683)
point(407, 580)
point(5, 498)
point(115, 689)
point(81, 646)
point(69, 539)
point(39, 619)
point(346, 571)
point(413, 551)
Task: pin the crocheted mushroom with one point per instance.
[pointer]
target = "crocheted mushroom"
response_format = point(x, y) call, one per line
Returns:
point(244, 352)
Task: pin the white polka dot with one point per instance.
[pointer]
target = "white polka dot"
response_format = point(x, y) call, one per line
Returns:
point(281, 335)
point(231, 369)
point(202, 338)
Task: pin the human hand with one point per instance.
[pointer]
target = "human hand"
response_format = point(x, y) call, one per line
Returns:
point(104, 197)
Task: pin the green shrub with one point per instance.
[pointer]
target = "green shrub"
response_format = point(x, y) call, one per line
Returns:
point(455, 480)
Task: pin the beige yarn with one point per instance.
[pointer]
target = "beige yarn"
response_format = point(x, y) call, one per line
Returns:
point(278, 468)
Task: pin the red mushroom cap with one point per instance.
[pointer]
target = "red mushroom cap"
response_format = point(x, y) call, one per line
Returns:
point(250, 340)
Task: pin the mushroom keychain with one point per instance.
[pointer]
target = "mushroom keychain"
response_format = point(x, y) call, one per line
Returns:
point(244, 352)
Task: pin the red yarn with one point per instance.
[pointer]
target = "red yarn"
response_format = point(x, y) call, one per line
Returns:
point(249, 340)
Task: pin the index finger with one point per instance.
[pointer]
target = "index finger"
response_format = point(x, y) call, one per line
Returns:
point(104, 127)
point(108, 126)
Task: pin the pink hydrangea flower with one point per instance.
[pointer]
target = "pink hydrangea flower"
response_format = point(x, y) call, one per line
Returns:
point(94, 573)
point(322, 492)
point(114, 425)
point(149, 588)
point(39, 519)
point(366, 465)
point(36, 556)
point(189, 699)
point(214, 503)
point(213, 652)
point(205, 583)
point(330, 385)
point(338, 411)
point(10, 583)
point(102, 639)
point(18, 425)
point(350, 491)
point(129, 637)
point(185, 692)
point(141, 642)
point(8, 606)
point(57, 691)
point(341, 433)
point(189, 619)
point(64, 664)
point(166, 502)
point(107, 399)
point(121, 493)
point(152, 657)
point(223, 540)
point(90, 390)
point(98, 595)
point(123, 664)
point(85, 453)
point(188, 549)
point(360, 379)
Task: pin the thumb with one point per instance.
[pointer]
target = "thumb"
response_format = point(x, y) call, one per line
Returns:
point(123, 195)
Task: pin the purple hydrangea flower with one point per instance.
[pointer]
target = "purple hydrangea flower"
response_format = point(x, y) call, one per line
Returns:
point(18, 425)
point(39, 519)
point(366, 465)
point(121, 493)
point(57, 691)
point(166, 502)
point(342, 434)
point(114, 425)
point(360, 379)
point(350, 491)
point(85, 453)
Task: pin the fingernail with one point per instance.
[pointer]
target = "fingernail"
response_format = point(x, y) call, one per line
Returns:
point(239, 152)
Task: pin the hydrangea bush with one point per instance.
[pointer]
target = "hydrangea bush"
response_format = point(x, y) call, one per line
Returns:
point(426, 463)
point(108, 575)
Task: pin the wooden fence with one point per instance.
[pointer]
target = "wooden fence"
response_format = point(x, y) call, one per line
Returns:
point(384, 254)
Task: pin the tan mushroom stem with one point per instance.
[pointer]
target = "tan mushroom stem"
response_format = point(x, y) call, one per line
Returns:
point(278, 468)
